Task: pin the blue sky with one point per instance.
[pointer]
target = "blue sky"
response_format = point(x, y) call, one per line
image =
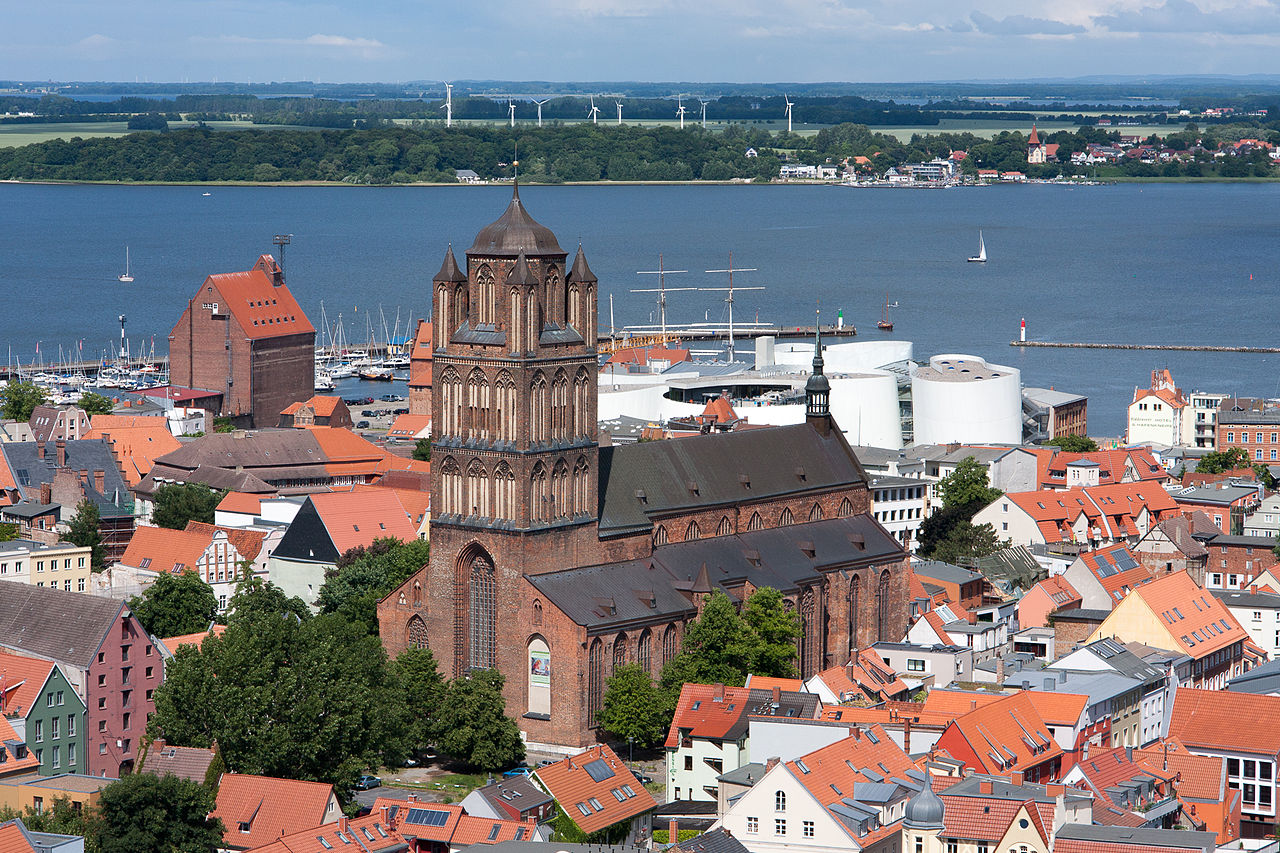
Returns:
point(697, 40)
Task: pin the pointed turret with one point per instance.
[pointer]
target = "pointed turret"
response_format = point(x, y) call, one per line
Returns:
point(520, 273)
point(817, 390)
point(580, 270)
point(1034, 138)
point(703, 583)
point(449, 269)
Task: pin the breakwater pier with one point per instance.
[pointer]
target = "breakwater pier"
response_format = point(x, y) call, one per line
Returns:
point(1164, 347)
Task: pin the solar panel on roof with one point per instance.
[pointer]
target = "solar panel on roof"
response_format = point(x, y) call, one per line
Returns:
point(1105, 567)
point(427, 817)
point(598, 770)
point(1124, 560)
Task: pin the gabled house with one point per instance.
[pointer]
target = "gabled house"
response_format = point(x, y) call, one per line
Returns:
point(105, 653)
point(1208, 804)
point(1173, 613)
point(256, 810)
point(1097, 515)
point(1103, 577)
point(994, 813)
point(1178, 543)
point(218, 555)
point(442, 828)
point(373, 833)
point(1048, 595)
point(1004, 736)
point(596, 790)
point(515, 799)
point(1109, 656)
point(136, 442)
point(320, 410)
point(45, 712)
point(864, 678)
point(185, 762)
point(53, 422)
point(1061, 470)
point(1126, 792)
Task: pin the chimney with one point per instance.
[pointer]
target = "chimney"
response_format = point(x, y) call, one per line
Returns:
point(61, 446)
point(857, 733)
point(999, 673)
point(383, 815)
point(100, 481)
point(46, 493)
point(1253, 589)
point(342, 823)
point(770, 763)
point(973, 704)
point(40, 448)
point(777, 695)
point(1016, 777)
point(984, 787)
point(673, 831)
point(1054, 790)
point(906, 735)
point(413, 798)
point(719, 692)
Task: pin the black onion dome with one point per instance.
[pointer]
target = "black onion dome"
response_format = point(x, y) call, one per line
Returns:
point(513, 232)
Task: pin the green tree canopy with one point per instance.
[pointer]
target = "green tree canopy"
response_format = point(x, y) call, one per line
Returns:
point(144, 813)
point(178, 503)
point(1221, 461)
point(84, 530)
point(302, 699)
point(8, 532)
point(1074, 443)
point(772, 634)
point(473, 725)
point(966, 486)
point(634, 709)
point(94, 404)
point(364, 575)
point(254, 595)
point(424, 691)
point(176, 604)
point(422, 450)
point(20, 398)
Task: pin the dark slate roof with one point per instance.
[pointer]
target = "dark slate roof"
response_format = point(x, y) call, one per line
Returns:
point(517, 791)
point(520, 273)
point(1261, 679)
point(1244, 598)
point(29, 509)
point(449, 269)
point(250, 450)
point(556, 335)
point(307, 539)
point(82, 455)
point(716, 841)
point(747, 774)
point(948, 572)
point(484, 333)
point(1168, 839)
point(211, 476)
point(1082, 613)
point(640, 591)
point(67, 627)
point(513, 232)
point(778, 461)
point(1267, 542)
point(580, 271)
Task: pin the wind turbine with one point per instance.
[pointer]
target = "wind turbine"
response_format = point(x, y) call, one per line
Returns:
point(511, 105)
point(448, 105)
point(619, 105)
point(789, 106)
point(704, 113)
point(540, 103)
point(594, 111)
point(680, 109)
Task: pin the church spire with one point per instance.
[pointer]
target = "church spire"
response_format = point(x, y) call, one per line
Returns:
point(817, 390)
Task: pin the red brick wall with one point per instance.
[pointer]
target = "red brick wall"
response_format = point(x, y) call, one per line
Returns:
point(1245, 437)
point(118, 702)
point(1246, 562)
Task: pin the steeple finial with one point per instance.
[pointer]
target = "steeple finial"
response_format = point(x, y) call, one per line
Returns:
point(817, 390)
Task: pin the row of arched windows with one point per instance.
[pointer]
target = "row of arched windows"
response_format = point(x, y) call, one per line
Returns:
point(477, 410)
point(571, 305)
point(490, 492)
point(620, 653)
point(661, 536)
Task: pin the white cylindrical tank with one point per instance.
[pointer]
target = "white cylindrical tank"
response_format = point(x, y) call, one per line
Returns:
point(849, 357)
point(864, 406)
point(962, 398)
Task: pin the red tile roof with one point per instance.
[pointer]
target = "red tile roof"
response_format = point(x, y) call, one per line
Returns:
point(955, 703)
point(989, 819)
point(136, 444)
point(830, 773)
point(12, 839)
point(21, 680)
point(159, 549)
point(595, 789)
point(1173, 398)
point(1058, 590)
point(482, 830)
point(1226, 720)
point(440, 832)
point(408, 426)
point(869, 675)
point(195, 639)
point(262, 309)
point(1109, 767)
point(1119, 584)
point(366, 834)
point(322, 406)
point(1112, 465)
point(241, 502)
point(998, 733)
point(15, 765)
point(1200, 776)
point(247, 542)
point(1196, 621)
point(718, 712)
point(358, 518)
point(416, 503)
point(271, 807)
point(767, 682)
point(719, 411)
point(1058, 709)
point(1111, 509)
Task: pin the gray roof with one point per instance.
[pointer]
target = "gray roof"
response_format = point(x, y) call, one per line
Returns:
point(939, 570)
point(886, 481)
point(1050, 397)
point(1082, 613)
point(513, 232)
point(1124, 661)
point(66, 627)
point(641, 483)
point(1098, 686)
point(1012, 567)
point(1260, 679)
point(29, 509)
point(645, 589)
point(716, 841)
point(94, 455)
point(1244, 598)
point(1214, 494)
point(747, 774)
point(1003, 789)
point(517, 792)
point(1168, 839)
point(1267, 542)
point(912, 647)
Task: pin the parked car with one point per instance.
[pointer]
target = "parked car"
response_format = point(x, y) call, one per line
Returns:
point(516, 771)
point(641, 777)
point(366, 782)
point(362, 425)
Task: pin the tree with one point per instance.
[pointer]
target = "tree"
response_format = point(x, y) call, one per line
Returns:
point(254, 595)
point(95, 404)
point(966, 541)
point(712, 650)
point(634, 709)
point(178, 503)
point(473, 725)
point(422, 450)
point(1221, 461)
point(8, 532)
point(62, 817)
point(773, 631)
point(176, 604)
point(144, 813)
point(84, 530)
point(299, 698)
point(1074, 443)
point(967, 485)
point(364, 575)
point(19, 399)
point(424, 692)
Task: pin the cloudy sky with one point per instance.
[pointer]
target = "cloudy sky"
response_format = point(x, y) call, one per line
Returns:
point(696, 40)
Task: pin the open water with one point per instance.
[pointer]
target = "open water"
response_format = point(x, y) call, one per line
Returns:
point(1158, 263)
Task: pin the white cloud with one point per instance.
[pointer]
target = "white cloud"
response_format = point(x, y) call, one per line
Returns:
point(1022, 25)
point(320, 43)
point(1183, 16)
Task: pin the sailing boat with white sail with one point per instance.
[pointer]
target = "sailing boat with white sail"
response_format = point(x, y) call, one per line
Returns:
point(981, 257)
point(126, 276)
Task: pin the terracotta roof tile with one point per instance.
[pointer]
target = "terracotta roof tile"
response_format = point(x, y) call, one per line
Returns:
point(358, 518)
point(482, 830)
point(1002, 729)
point(12, 839)
point(1199, 715)
point(829, 774)
point(21, 680)
point(408, 426)
point(989, 819)
point(1200, 776)
point(765, 682)
point(194, 639)
point(366, 834)
point(584, 786)
point(719, 712)
point(241, 502)
point(262, 309)
point(1195, 620)
point(416, 503)
point(185, 762)
point(247, 542)
point(15, 765)
point(437, 828)
point(137, 444)
point(954, 703)
point(271, 807)
point(160, 549)
point(1058, 709)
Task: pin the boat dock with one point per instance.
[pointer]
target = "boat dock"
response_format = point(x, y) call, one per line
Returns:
point(1165, 347)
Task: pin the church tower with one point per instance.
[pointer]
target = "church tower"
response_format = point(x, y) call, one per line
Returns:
point(514, 458)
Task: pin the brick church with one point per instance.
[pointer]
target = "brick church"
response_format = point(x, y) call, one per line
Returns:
point(556, 560)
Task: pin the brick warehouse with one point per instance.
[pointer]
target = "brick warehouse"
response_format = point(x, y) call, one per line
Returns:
point(245, 336)
point(556, 560)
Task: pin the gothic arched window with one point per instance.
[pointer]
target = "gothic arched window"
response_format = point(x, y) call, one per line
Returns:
point(560, 498)
point(538, 497)
point(815, 513)
point(786, 518)
point(846, 508)
point(478, 489)
point(756, 522)
point(485, 295)
point(503, 422)
point(581, 487)
point(855, 611)
point(415, 633)
point(504, 491)
point(582, 389)
point(589, 333)
point(882, 609)
point(692, 531)
point(450, 401)
point(660, 535)
point(476, 422)
point(619, 652)
point(725, 527)
point(573, 307)
point(539, 410)
point(417, 593)
point(560, 406)
point(668, 644)
point(643, 651)
point(484, 617)
point(595, 680)
point(555, 296)
point(537, 612)
point(451, 485)
point(517, 328)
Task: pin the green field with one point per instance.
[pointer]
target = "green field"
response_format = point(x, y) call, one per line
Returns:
point(12, 135)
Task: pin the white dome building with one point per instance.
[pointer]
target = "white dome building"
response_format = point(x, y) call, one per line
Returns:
point(962, 398)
